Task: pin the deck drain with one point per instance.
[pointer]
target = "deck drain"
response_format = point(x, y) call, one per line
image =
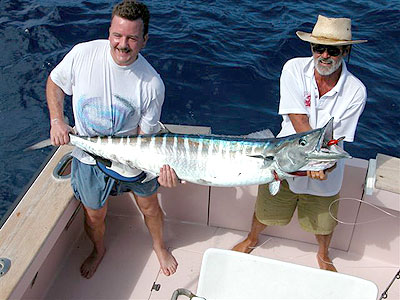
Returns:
point(156, 286)
point(5, 265)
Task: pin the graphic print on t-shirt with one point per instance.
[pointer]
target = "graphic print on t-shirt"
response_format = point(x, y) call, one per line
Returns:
point(98, 118)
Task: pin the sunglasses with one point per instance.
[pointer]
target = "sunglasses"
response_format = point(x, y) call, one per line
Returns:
point(332, 50)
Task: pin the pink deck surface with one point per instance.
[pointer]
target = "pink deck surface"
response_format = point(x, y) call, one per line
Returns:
point(130, 267)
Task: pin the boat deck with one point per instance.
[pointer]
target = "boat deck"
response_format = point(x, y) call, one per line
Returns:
point(44, 239)
point(130, 267)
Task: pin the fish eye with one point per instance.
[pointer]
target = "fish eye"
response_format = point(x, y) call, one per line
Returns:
point(302, 142)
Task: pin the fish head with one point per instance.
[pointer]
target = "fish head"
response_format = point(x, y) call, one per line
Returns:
point(309, 150)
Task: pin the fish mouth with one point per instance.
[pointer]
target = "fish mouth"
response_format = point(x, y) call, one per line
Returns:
point(323, 150)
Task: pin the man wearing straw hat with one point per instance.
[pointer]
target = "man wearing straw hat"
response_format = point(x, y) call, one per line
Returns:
point(313, 90)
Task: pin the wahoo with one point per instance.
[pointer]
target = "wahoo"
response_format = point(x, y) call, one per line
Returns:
point(220, 160)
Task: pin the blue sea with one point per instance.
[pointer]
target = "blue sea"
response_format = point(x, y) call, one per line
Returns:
point(220, 61)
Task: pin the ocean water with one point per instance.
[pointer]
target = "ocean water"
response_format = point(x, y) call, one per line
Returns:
point(220, 61)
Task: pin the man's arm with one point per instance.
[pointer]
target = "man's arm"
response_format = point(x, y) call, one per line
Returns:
point(55, 102)
point(300, 124)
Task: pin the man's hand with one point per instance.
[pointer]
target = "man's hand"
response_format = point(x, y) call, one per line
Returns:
point(322, 174)
point(167, 177)
point(317, 175)
point(59, 132)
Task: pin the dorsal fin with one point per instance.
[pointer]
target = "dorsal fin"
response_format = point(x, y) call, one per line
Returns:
point(164, 129)
point(262, 134)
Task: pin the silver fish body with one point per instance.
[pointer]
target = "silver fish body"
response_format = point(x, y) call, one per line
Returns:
point(199, 159)
point(218, 160)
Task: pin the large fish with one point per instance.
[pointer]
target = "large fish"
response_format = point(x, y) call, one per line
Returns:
point(220, 160)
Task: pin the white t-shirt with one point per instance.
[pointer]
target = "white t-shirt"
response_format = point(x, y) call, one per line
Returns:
point(345, 103)
point(109, 99)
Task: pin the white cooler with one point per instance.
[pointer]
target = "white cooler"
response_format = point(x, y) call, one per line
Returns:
point(228, 274)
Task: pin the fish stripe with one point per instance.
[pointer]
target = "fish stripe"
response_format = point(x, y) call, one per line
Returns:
point(175, 145)
point(187, 148)
point(152, 143)
point(199, 149)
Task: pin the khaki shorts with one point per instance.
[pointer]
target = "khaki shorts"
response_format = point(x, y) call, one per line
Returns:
point(312, 211)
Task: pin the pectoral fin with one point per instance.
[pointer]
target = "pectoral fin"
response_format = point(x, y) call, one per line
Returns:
point(267, 158)
point(274, 187)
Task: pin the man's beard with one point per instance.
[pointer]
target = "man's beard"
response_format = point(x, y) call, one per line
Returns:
point(327, 70)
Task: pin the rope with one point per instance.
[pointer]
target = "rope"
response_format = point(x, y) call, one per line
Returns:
point(259, 246)
point(359, 223)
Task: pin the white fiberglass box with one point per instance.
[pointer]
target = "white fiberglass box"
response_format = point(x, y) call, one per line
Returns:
point(228, 274)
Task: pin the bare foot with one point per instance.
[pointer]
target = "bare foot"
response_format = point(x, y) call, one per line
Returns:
point(168, 263)
point(89, 266)
point(325, 263)
point(246, 246)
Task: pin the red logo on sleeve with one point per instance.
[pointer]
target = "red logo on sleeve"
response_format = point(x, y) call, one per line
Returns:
point(307, 100)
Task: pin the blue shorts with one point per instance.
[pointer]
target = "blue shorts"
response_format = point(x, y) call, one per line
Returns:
point(92, 187)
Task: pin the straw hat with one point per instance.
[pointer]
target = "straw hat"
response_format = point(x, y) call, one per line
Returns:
point(330, 31)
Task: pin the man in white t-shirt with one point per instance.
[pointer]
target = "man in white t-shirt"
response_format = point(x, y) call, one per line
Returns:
point(115, 91)
point(313, 90)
